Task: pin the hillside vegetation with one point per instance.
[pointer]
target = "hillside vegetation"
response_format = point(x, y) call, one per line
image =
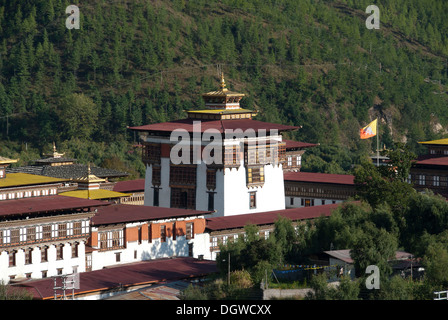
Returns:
point(307, 63)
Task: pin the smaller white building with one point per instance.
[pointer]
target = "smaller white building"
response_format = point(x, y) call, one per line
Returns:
point(308, 189)
point(124, 234)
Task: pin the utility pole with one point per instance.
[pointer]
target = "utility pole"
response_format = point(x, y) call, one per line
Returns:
point(228, 270)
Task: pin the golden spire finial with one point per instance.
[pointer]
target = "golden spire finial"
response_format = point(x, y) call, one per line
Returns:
point(88, 169)
point(54, 146)
point(223, 83)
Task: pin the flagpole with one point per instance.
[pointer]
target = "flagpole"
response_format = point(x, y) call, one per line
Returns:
point(377, 146)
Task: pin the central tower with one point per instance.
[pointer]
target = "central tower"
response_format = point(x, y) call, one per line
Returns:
point(242, 171)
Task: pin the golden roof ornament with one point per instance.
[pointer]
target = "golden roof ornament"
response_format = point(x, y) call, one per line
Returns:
point(55, 154)
point(223, 83)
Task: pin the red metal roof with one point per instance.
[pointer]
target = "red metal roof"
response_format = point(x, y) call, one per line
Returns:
point(145, 272)
point(130, 185)
point(269, 217)
point(432, 160)
point(46, 204)
point(290, 144)
point(119, 213)
point(220, 125)
point(319, 177)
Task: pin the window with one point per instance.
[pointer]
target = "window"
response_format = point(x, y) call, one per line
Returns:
point(151, 153)
point(60, 252)
point(22, 236)
point(214, 241)
point(75, 250)
point(174, 231)
point(211, 179)
point(156, 197)
point(183, 198)
point(28, 256)
point(289, 161)
point(85, 227)
point(255, 175)
point(88, 262)
point(307, 202)
point(281, 152)
point(421, 179)
point(298, 161)
point(232, 156)
point(44, 254)
point(31, 233)
point(156, 176)
point(69, 229)
point(291, 201)
point(6, 236)
point(15, 236)
point(189, 231)
point(54, 230)
point(47, 231)
point(117, 256)
point(182, 175)
point(77, 228)
point(252, 200)
point(436, 181)
point(162, 233)
point(112, 239)
point(62, 230)
point(211, 201)
point(12, 258)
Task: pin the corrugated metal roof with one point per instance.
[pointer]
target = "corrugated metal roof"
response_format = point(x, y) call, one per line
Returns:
point(94, 194)
point(432, 160)
point(22, 179)
point(45, 204)
point(344, 255)
point(438, 142)
point(145, 272)
point(130, 185)
point(298, 144)
point(319, 177)
point(269, 217)
point(119, 213)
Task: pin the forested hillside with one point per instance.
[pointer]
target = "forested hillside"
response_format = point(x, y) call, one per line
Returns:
point(132, 62)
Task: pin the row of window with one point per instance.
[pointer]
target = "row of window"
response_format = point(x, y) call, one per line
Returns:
point(310, 202)
point(28, 254)
point(27, 194)
point(293, 190)
point(114, 239)
point(45, 232)
point(258, 154)
point(429, 180)
point(215, 241)
point(295, 161)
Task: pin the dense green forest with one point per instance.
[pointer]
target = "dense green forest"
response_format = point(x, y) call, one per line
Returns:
point(310, 63)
